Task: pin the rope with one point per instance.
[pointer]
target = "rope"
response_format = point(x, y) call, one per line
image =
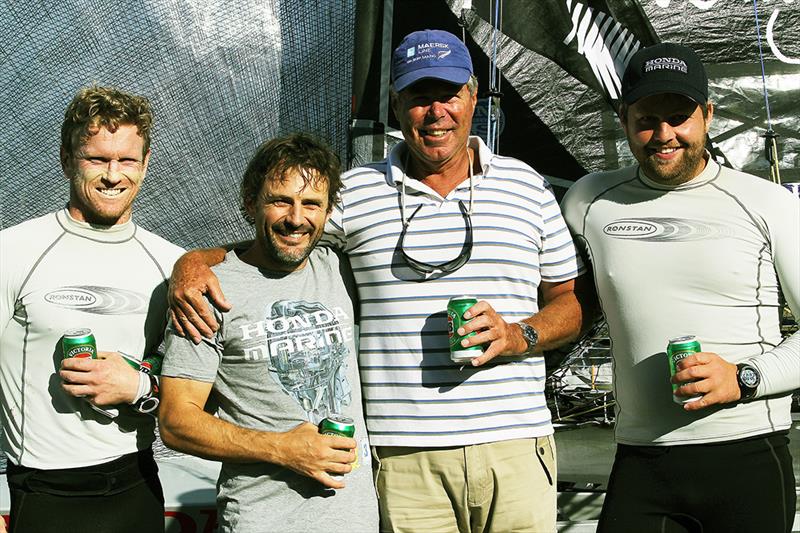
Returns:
point(492, 115)
point(770, 143)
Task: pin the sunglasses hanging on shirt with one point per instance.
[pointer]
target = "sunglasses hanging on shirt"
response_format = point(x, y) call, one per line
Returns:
point(464, 255)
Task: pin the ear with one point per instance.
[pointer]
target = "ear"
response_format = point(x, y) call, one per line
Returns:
point(709, 114)
point(145, 162)
point(394, 102)
point(623, 121)
point(250, 208)
point(65, 162)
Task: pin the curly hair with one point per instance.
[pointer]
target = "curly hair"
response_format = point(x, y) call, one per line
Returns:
point(95, 107)
point(314, 160)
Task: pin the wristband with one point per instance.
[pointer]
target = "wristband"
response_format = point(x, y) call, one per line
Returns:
point(150, 400)
point(144, 387)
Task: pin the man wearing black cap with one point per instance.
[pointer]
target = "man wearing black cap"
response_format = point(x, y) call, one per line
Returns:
point(467, 446)
point(680, 245)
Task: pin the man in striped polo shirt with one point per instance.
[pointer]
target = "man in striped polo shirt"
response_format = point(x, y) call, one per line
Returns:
point(458, 447)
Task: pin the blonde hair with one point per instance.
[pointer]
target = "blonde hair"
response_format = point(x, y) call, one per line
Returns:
point(95, 107)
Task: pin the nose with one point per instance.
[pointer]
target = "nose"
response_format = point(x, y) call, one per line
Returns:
point(113, 172)
point(663, 132)
point(436, 110)
point(295, 215)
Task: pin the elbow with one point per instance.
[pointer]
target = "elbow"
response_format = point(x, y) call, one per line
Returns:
point(169, 431)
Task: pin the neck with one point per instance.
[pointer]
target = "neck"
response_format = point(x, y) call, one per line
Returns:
point(445, 177)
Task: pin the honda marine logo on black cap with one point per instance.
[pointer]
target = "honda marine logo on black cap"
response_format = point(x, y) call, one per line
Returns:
point(666, 63)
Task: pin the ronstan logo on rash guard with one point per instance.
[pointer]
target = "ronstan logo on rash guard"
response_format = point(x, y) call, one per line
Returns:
point(665, 229)
point(98, 300)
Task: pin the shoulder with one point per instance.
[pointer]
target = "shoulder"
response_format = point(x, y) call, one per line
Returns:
point(512, 170)
point(768, 201)
point(598, 183)
point(325, 256)
point(742, 182)
point(29, 238)
point(364, 174)
point(163, 251)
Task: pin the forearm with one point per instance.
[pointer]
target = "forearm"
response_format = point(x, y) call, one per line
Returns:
point(566, 315)
point(779, 367)
point(206, 256)
point(192, 430)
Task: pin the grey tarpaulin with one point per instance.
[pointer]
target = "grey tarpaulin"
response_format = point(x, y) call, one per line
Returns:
point(222, 76)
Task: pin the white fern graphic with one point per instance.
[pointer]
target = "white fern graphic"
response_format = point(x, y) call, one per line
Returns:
point(604, 42)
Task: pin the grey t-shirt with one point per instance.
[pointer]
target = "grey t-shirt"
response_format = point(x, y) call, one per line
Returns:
point(284, 354)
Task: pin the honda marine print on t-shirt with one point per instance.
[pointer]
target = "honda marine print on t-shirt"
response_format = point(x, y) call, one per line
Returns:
point(305, 345)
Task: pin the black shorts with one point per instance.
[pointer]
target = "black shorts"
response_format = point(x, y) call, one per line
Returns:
point(121, 496)
point(743, 486)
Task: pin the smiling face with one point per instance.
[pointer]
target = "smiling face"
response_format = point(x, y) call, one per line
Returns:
point(105, 172)
point(290, 216)
point(667, 134)
point(435, 117)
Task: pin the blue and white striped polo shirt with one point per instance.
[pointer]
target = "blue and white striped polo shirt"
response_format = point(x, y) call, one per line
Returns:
point(414, 395)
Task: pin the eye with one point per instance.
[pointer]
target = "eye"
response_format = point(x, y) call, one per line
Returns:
point(677, 120)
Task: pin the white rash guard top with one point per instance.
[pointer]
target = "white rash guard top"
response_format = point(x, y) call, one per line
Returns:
point(704, 258)
point(58, 274)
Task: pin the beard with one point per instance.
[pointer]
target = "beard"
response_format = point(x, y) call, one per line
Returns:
point(289, 257)
point(675, 173)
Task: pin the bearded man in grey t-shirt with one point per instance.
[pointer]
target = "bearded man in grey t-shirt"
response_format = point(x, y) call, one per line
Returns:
point(282, 360)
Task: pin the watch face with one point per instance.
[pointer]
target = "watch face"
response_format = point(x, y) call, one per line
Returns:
point(529, 334)
point(748, 377)
point(148, 405)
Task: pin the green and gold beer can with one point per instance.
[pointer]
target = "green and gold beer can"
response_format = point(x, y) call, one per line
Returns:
point(456, 308)
point(79, 343)
point(678, 349)
point(337, 425)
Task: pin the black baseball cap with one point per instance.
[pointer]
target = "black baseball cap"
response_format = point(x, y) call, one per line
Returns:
point(665, 68)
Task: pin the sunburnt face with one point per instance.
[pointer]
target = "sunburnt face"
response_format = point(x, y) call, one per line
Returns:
point(290, 217)
point(667, 134)
point(435, 118)
point(105, 174)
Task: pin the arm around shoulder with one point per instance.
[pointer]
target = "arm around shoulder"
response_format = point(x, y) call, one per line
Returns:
point(191, 280)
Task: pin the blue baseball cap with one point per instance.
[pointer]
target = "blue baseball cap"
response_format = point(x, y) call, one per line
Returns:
point(430, 54)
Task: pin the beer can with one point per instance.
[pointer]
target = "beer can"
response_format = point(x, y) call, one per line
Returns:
point(151, 365)
point(456, 308)
point(678, 349)
point(79, 343)
point(338, 425)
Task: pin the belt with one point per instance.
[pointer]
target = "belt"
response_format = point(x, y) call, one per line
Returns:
point(96, 480)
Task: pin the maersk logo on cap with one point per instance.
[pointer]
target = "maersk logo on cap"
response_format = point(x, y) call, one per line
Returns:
point(666, 63)
point(430, 54)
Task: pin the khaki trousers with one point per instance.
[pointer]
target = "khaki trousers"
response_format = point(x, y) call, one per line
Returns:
point(497, 487)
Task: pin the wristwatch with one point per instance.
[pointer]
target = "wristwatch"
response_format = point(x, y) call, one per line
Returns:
point(748, 378)
point(530, 335)
point(149, 402)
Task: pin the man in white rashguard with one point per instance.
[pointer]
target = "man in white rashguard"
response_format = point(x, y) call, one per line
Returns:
point(88, 265)
point(680, 245)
